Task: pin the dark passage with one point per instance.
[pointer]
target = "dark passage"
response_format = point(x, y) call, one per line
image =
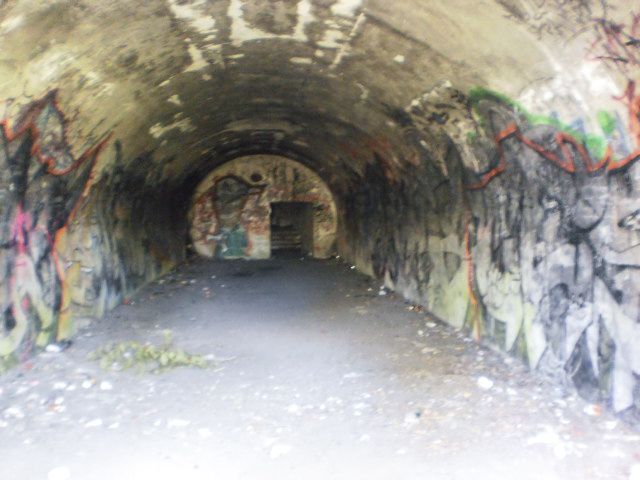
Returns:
point(292, 226)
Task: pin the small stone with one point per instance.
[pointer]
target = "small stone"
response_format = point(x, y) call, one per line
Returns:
point(431, 324)
point(484, 383)
point(546, 437)
point(634, 473)
point(60, 386)
point(279, 450)
point(53, 348)
point(205, 432)
point(560, 451)
point(593, 410)
point(105, 385)
point(177, 423)
point(88, 383)
point(13, 412)
point(59, 473)
point(93, 423)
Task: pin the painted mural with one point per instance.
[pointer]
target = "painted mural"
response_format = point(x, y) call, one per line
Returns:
point(40, 186)
point(556, 268)
point(231, 209)
point(520, 228)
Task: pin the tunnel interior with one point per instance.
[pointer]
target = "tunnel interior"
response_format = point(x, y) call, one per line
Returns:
point(479, 158)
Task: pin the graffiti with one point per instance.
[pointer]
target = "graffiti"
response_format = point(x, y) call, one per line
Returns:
point(553, 17)
point(517, 227)
point(556, 145)
point(40, 185)
point(230, 213)
point(555, 252)
point(219, 214)
point(618, 46)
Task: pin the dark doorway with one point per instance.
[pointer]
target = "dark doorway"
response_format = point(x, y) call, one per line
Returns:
point(292, 226)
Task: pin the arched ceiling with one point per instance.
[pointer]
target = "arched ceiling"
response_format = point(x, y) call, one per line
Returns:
point(197, 82)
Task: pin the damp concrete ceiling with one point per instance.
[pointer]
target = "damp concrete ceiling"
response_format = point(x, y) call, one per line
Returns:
point(197, 82)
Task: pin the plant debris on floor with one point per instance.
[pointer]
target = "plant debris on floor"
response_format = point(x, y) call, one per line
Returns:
point(146, 358)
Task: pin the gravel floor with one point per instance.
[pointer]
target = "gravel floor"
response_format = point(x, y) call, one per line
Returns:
point(312, 374)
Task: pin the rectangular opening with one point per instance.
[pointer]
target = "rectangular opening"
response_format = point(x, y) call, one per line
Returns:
point(292, 226)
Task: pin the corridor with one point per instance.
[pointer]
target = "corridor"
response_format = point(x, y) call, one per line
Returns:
point(313, 372)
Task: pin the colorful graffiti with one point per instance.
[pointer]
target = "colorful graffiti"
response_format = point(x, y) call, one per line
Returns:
point(519, 228)
point(560, 144)
point(41, 183)
point(218, 216)
point(230, 213)
point(552, 268)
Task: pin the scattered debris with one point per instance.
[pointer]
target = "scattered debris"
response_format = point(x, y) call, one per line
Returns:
point(146, 357)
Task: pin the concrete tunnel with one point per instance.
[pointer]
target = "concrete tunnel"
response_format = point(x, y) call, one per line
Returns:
point(479, 158)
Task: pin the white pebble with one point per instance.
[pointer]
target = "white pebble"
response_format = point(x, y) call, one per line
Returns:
point(105, 385)
point(279, 450)
point(177, 423)
point(485, 383)
point(59, 473)
point(634, 473)
point(13, 412)
point(93, 423)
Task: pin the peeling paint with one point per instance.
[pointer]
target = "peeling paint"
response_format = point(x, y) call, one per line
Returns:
point(345, 50)
point(184, 125)
point(192, 14)
point(301, 60)
point(198, 62)
point(49, 67)
point(11, 23)
point(346, 8)
point(175, 99)
point(242, 32)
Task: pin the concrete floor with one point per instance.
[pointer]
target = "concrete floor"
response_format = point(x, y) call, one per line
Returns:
point(314, 375)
